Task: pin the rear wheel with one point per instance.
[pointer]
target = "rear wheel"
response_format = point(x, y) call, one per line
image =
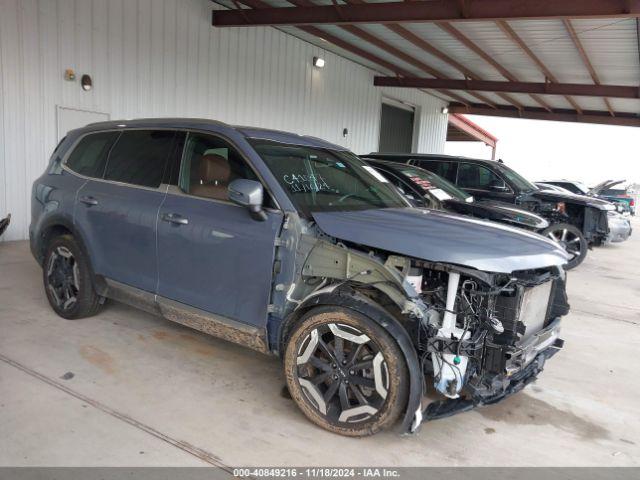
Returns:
point(345, 372)
point(571, 240)
point(67, 279)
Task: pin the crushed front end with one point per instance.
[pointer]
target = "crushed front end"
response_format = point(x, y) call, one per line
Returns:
point(486, 335)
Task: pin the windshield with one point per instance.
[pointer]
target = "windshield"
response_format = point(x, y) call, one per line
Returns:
point(321, 180)
point(434, 184)
point(516, 179)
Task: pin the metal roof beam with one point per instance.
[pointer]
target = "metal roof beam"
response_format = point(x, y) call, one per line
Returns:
point(541, 88)
point(598, 117)
point(428, 11)
point(466, 41)
point(506, 28)
point(585, 59)
point(349, 47)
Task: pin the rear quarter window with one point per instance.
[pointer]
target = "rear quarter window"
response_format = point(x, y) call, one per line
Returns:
point(89, 156)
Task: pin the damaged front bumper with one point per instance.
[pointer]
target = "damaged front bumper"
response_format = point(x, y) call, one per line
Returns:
point(514, 367)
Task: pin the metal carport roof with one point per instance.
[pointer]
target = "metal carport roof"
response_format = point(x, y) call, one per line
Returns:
point(570, 60)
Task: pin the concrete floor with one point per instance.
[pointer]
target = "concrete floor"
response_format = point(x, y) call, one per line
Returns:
point(126, 388)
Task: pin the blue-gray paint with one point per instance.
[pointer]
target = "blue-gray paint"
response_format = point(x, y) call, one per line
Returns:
point(442, 237)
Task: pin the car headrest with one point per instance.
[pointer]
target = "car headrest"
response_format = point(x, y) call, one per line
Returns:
point(214, 169)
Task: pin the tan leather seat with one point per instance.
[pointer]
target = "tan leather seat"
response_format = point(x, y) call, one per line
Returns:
point(213, 177)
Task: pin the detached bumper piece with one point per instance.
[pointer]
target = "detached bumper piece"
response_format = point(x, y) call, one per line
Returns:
point(504, 386)
point(4, 223)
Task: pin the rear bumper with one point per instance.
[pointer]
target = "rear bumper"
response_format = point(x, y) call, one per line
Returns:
point(522, 366)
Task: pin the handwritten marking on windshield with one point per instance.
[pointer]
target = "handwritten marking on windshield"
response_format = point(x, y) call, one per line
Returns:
point(306, 183)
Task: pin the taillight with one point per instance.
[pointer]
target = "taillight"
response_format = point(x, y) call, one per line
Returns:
point(632, 202)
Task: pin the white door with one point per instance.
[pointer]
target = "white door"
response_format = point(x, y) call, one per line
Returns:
point(71, 118)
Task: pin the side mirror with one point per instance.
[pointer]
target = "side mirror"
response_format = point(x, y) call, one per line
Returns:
point(250, 194)
point(497, 186)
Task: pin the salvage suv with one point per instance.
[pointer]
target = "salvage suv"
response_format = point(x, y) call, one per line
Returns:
point(293, 246)
point(577, 222)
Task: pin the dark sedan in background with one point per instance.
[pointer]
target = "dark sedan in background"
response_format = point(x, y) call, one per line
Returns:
point(426, 189)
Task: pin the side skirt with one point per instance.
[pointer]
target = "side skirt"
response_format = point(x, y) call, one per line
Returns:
point(209, 323)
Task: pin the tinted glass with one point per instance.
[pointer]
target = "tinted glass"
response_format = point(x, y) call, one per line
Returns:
point(476, 176)
point(405, 189)
point(444, 169)
point(172, 170)
point(517, 180)
point(89, 156)
point(433, 184)
point(139, 157)
point(327, 180)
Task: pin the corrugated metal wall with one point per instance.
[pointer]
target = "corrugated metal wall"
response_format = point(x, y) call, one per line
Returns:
point(162, 58)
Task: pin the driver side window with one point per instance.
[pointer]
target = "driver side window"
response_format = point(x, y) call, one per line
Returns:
point(478, 177)
point(209, 164)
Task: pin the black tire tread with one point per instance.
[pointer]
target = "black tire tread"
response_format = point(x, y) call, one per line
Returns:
point(88, 303)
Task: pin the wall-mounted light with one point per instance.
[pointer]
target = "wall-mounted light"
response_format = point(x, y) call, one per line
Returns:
point(86, 82)
point(444, 110)
point(318, 62)
point(345, 132)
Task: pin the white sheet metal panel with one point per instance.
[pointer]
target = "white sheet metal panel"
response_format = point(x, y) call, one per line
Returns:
point(163, 58)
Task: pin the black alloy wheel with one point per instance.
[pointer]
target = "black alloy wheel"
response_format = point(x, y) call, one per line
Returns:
point(347, 377)
point(67, 279)
point(571, 240)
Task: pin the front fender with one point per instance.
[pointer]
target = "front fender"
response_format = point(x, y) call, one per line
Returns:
point(347, 297)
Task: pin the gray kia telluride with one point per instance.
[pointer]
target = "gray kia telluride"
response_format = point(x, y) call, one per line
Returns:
point(293, 246)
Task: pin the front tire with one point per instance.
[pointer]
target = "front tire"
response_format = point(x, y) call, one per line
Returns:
point(345, 372)
point(571, 240)
point(67, 279)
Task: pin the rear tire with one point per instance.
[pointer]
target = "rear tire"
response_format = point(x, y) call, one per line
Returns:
point(571, 240)
point(67, 279)
point(345, 372)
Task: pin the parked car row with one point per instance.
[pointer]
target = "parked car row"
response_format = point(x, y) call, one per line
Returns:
point(296, 247)
point(576, 222)
point(624, 202)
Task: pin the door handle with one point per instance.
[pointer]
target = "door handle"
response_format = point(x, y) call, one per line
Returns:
point(175, 218)
point(89, 201)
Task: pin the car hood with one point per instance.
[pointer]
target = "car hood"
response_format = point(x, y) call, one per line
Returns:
point(443, 237)
point(498, 212)
point(607, 184)
point(551, 196)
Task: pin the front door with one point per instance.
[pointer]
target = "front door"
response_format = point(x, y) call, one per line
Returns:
point(211, 254)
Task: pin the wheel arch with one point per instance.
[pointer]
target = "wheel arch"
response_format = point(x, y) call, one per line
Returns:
point(59, 225)
point(350, 298)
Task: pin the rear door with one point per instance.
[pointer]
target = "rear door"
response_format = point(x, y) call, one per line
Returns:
point(211, 254)
point(118, 212)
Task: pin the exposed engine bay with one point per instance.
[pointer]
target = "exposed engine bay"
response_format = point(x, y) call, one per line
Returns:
point(484, 329)
point(479, 336)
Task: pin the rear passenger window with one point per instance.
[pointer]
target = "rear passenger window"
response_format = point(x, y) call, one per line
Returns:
point(139, 157)
point(89, 156)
